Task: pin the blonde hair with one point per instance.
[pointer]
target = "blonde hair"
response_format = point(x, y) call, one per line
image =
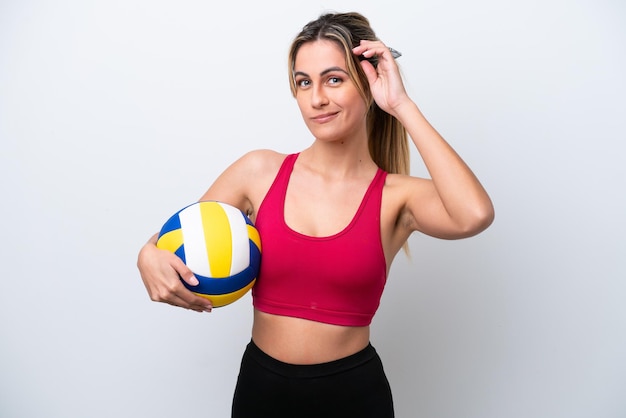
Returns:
point(387, 138)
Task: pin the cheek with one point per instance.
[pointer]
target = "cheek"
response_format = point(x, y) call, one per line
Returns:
point(303, 108)
point(301, 100)
point(350, 97)
point(355, 103)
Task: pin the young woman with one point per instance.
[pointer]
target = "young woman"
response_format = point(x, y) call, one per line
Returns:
point(332, 218)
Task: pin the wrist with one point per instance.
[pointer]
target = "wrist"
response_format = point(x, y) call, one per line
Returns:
point(406, 111)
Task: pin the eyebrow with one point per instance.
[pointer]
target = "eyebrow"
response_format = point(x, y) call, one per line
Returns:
point(326, 71)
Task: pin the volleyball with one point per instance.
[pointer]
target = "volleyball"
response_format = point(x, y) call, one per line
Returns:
point(219, 244)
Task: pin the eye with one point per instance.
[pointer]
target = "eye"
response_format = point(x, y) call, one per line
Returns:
point(333, 81)
point(303, 83)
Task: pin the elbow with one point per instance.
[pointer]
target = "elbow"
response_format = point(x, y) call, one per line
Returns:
point(482, 217)
point(486, 218)
point(474, 221)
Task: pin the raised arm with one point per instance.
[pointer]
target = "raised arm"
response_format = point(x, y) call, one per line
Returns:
point(452, 204)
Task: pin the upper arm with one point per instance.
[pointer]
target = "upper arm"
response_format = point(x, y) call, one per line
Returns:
point(425, 211)
point(244, 183)
point(422, 209)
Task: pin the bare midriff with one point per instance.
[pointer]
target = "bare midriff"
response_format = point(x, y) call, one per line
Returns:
point(301, 341)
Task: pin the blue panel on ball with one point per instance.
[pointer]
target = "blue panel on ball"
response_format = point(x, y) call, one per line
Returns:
point(221, 286)
point(180, 252)
point(171, 224)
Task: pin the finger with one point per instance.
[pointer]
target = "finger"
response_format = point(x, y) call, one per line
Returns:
point(374, 48)
point(370, 72)
point(197, 308)
point(174, 292)
point(187, 299)
point(193, 301)
point(182, 270)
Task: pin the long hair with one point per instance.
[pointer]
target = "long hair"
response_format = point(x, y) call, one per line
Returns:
point(387, 138)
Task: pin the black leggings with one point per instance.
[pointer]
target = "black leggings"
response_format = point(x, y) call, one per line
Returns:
point(355, 386)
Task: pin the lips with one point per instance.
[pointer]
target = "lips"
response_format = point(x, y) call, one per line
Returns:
point(326, 117)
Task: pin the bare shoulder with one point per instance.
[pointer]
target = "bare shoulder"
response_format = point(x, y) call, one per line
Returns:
point(245, 182)
point(260, 162)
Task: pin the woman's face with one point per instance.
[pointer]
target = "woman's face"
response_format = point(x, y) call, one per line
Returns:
point(330, 103)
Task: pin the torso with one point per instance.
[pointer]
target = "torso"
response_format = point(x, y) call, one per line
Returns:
point(301, 341)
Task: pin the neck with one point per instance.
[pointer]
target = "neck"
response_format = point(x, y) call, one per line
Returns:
point(338, 159)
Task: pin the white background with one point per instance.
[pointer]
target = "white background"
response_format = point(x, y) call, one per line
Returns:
point(115, 114)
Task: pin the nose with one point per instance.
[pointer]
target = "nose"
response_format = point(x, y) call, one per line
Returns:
point(318, 97)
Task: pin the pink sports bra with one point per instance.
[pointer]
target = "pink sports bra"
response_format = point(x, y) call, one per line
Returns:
point(337, 279)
